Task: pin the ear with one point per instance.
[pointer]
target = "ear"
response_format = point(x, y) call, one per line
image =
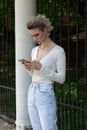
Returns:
point(45, 30)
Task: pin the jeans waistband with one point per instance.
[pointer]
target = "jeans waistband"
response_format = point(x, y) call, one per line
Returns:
point(42, 86)
point(36, 82)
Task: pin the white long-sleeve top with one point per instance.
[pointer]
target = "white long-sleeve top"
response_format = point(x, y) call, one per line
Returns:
point(53, 66)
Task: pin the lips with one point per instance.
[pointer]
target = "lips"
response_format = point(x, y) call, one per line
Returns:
point(38, 41)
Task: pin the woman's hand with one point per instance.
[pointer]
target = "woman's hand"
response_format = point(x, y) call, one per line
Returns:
point(31, 65)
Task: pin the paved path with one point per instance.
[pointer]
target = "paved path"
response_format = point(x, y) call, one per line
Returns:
point(6, 126)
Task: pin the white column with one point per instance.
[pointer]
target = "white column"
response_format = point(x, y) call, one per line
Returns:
point(24, 9)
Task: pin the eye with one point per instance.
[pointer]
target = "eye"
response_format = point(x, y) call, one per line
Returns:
point(35, 35)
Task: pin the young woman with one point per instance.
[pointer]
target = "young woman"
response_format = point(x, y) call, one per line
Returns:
point(48, 65)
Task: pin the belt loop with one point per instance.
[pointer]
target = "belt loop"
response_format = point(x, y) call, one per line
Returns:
point(38, 85)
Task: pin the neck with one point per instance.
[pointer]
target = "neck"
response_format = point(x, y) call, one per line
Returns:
point(46, 43)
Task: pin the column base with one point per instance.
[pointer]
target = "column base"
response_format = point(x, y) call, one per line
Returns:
point(22, 125)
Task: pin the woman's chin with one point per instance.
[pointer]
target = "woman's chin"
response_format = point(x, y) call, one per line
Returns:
point(38, 43)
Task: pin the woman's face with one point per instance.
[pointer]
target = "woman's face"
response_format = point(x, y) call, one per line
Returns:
point(38, 35)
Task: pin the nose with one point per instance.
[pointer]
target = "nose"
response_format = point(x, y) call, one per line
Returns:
point(34, 38)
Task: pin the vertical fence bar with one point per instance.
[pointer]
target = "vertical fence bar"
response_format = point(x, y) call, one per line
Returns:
point(62, 114)
point(41, 6)
point(54, 10)
point(48, 8)
point(86, 59)
point(66, 123)
point(69, 68)
point(77, 42)
point(4, 67)
point(74, 118)
point(3, 60)
point(83, 124)
point(6, 42)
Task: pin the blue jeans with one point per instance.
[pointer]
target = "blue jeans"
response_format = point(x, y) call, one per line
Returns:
point(42, 106)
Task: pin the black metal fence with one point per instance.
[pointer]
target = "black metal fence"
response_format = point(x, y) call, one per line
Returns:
point(69, 19)
point(7, 59)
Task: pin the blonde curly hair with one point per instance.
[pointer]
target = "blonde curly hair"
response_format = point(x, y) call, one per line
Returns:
point(39, 21)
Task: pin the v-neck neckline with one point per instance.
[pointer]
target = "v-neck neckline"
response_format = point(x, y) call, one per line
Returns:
point(46, 54)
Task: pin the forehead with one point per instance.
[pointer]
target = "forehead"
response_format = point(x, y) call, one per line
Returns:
point(34, 31)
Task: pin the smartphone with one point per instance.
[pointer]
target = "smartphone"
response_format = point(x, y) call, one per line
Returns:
point(23, 61)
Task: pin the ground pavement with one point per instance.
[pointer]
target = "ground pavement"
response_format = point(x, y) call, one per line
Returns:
point(6, 126)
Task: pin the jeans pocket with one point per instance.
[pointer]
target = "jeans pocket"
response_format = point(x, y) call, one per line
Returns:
point(45, 89)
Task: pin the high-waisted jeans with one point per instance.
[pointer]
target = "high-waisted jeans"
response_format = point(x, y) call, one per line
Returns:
point(42, 106)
